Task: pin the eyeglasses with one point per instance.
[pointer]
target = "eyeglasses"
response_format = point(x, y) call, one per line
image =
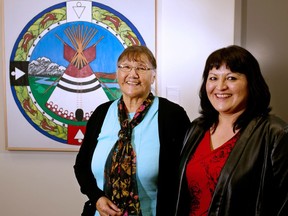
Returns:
point(138, 69)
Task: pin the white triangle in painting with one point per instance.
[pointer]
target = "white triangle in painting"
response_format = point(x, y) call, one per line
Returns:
point(17, 73)
point(79, 136)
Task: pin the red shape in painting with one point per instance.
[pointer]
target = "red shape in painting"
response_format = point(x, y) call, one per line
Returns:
point(75, 134)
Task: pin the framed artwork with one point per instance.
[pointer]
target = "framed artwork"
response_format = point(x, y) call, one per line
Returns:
point(61, 64)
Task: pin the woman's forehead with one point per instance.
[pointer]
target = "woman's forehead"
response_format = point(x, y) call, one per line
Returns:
point(135, 57)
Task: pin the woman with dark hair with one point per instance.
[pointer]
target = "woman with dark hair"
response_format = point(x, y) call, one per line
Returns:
point(235, 155)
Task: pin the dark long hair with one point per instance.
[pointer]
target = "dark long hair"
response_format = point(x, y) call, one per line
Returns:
point(240, 60)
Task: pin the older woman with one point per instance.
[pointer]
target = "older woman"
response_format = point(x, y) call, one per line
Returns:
point(235, 159)
point(127, 164)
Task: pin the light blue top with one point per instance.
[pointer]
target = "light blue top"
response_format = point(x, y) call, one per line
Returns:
point(145, 141)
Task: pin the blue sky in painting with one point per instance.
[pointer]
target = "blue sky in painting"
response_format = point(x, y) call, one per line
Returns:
point(107, 50)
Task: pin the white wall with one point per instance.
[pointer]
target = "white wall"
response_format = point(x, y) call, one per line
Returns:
point(188, 31)
point(43, 183)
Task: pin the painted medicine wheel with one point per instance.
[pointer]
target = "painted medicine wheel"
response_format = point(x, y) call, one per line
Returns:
point(63, 66)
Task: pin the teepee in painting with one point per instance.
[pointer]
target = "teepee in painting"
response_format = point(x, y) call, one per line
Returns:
point(78, 91)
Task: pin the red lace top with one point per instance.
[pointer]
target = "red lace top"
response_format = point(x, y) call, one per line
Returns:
point(202, 172)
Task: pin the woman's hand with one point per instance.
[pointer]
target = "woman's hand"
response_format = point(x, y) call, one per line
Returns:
point(106, 207)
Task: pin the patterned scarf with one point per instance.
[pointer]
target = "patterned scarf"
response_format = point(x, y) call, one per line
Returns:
point(120, 168)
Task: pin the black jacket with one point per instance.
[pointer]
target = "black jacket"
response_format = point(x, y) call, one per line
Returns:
point(173, 124)
point(254, 180)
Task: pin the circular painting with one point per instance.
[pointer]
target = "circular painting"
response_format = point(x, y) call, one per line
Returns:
point(63, 66)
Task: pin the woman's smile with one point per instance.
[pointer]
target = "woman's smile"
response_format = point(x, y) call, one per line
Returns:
point(227, 90)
